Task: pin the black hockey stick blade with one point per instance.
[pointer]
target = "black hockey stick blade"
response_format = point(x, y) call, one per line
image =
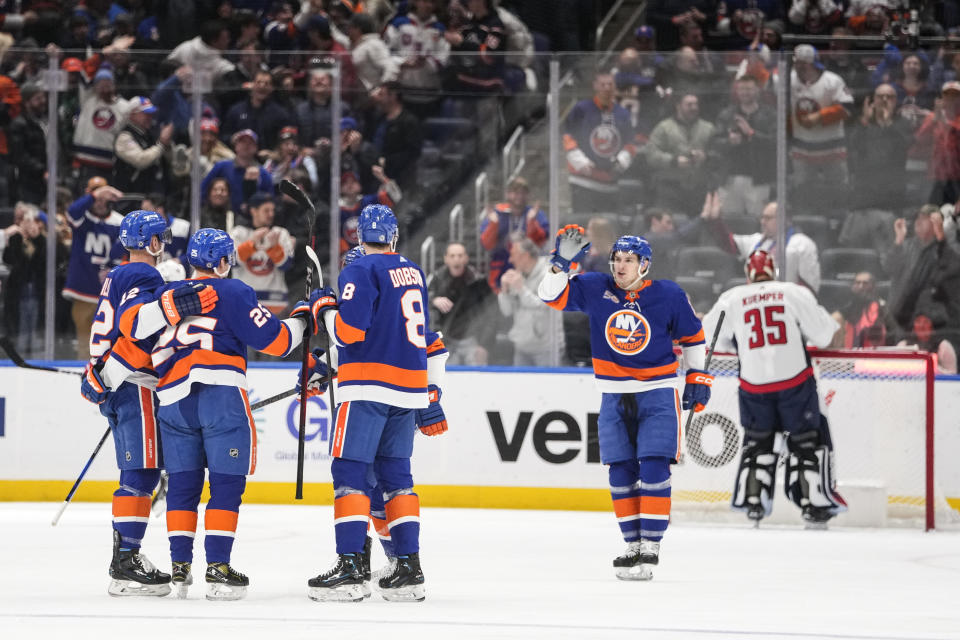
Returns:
point(7, 345)
point(288, 188)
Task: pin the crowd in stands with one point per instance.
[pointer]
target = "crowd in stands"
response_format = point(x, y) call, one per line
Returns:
point(675, 138)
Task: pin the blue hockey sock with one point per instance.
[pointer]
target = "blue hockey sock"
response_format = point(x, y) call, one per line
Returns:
point(351, 505)
point(183, 496)
point(625, 491)
point(402, 505)
point(220, 517)
point(131, 505)
point(654, 497)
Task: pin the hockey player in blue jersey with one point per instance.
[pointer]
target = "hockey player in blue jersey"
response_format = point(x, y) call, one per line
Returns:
point(633, 325)
point(385, 391)
point(121, 380)
point(204, 415)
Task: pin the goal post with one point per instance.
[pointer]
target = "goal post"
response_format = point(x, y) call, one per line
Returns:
point(880, 407)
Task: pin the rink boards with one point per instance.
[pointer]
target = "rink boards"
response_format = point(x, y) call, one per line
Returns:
point(517, 439)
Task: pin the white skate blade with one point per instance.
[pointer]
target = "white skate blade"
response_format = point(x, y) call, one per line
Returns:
point(121, 588)
point(636, 573)
point(343, 593)
point(218, 591)
point(410, 593)
point(181, 590)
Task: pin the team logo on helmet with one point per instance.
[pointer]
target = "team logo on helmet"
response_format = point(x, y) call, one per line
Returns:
point(627, 332)
point(605, 140)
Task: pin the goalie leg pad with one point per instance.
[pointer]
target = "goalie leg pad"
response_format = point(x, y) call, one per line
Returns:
point(351, 506)
point(655, 492)
point(756, 477)
point(625, 491)
point(809, 480)
point(402, 505)
point(131, 505)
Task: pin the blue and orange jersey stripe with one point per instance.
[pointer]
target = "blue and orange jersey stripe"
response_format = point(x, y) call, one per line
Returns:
point(389, 375)
point(347, 334)
point(200, 359)
point(612, 370)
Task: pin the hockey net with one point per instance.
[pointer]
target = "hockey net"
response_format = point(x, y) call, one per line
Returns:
point(880, 406)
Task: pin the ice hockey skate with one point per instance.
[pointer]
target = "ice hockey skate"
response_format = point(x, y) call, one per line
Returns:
point(816, 518)
point(637, 561)
point(133, 575)
point(343, 583)
point(365, 559)
point(405, 583)
point(181, 578)
point(225, 583)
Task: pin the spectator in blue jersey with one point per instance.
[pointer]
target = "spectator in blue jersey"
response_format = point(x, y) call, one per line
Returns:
point(96, 226)
point(508, 220)
point(259, 112)
point(244, 174)
point(599, 138)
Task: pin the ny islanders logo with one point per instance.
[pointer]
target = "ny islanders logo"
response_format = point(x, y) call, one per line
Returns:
point(627, 332)
point(605, 140)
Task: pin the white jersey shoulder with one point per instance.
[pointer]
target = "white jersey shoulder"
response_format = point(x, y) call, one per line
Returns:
point(768, 324)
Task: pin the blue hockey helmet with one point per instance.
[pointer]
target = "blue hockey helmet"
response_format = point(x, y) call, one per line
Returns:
point(377, 224)
point(208, 246)
point(638, 246)
point(352, 256)
point(138, 227)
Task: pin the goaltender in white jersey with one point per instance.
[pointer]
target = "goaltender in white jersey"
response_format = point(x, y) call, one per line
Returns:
point(768, 324)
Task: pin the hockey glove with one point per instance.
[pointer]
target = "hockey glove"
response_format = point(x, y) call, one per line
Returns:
point(321, 301)
point(91, 385)
point(571, 246)
point(189, 300)
point(431, 420)
point(696, 392)
point(318, 375)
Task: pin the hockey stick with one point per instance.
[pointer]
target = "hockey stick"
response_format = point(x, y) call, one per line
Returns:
point(288, 188)
point(7, 345)
point(76, 484)
point(283, 394)
point(706, 365)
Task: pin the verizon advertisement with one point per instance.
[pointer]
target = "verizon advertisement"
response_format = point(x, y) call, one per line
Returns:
point(507, 429)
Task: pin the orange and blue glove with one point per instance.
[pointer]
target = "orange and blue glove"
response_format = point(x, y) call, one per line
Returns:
point(432, 421)
point(91, 385)
point(696, 391)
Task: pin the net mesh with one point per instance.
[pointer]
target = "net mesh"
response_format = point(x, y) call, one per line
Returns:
point(876, 408)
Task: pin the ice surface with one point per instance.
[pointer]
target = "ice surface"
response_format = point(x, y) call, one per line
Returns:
point(495, 574)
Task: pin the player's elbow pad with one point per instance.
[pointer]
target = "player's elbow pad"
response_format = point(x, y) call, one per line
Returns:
point(150, 320)
point(695, 356)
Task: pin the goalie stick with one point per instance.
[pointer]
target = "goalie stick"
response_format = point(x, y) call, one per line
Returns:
point(288, 188)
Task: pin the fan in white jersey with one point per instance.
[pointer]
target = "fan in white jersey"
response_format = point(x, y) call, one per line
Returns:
point(767, 324)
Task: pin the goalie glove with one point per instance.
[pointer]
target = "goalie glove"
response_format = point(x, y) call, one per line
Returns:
point(571, 246)
point(189, 300)
point(321, 301)
point(432, 421)
point(318, 375)
point(91, 385)
point(696, 392)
